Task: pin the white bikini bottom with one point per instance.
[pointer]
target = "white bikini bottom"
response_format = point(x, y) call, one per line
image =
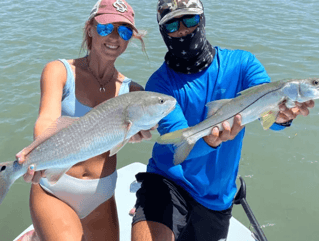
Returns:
point(83, 195)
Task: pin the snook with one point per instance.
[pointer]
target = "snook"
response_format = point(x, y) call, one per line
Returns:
point(106, 127)
point(260, 101)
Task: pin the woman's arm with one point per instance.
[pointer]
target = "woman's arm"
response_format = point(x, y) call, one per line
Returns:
point(52, 81)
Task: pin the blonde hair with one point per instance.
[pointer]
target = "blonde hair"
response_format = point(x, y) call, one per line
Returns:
point(87, 40)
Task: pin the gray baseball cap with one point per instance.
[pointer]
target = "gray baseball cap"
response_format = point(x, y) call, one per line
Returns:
point(168, 9)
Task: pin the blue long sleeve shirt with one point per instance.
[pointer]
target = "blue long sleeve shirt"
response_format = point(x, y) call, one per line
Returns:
point(208, 174)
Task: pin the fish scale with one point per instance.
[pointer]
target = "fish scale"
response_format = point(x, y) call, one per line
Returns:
point(85, 131)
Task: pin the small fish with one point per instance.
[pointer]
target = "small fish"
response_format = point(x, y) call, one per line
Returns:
point(108, 126)
point(260, 101)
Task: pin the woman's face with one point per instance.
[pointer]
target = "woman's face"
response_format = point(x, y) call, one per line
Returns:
point(110, 46)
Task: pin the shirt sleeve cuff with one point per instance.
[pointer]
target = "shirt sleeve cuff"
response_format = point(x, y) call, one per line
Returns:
point(281, 126)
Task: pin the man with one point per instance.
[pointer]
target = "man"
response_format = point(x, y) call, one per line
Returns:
point(193, 201)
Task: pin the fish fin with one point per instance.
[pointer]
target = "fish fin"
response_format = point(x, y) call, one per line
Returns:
point(128, 128)
point(182, 151)
point(172, 137)
point(268, 118)
point(59, 124)
point(7, 178)
point(214, 106)
point(116, 149)
point(181, 143)
point(54, 174)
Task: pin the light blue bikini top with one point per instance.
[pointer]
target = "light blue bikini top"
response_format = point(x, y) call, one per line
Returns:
point(70, 105)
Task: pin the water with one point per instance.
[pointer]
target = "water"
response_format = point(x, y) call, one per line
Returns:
point(280, 168)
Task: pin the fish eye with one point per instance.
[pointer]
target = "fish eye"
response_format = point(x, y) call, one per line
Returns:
point(315, 82)
point(161, 101)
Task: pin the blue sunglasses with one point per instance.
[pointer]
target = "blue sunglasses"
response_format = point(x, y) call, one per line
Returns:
point(125, 32)
point(188, 20)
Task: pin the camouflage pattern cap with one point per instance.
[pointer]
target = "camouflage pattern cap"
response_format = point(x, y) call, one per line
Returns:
point(168, 9)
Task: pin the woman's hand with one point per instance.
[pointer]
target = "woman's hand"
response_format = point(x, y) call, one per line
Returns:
point(286, 114)
point(142, 135)
point(31, 175)
point(229, 133)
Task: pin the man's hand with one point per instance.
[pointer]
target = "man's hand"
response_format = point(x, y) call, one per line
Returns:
point(286, 114)
point(229, 133)
point(142, 135)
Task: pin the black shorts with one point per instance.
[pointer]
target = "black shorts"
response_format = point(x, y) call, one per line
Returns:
point(161, 200)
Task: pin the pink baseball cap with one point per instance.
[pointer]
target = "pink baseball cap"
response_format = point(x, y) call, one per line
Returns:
point(110, 11)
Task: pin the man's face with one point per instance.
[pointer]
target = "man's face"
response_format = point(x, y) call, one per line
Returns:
point(183, 30)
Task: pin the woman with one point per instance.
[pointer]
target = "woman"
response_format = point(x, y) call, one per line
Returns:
point(81, 205)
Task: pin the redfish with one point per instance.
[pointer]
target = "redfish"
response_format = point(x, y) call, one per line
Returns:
point(108, 126)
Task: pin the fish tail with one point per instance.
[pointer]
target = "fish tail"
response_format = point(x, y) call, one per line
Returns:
point(7, 178)
point(181, 141)
point(174, 137)
point(182, 151)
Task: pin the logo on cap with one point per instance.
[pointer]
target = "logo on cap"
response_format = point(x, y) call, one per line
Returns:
point(120, 6)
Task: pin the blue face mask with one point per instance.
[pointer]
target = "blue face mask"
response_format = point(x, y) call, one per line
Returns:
point(124, 31)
